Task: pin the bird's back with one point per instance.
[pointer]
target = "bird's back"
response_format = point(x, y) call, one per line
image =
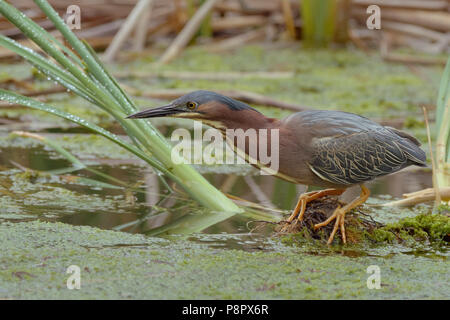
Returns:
point(345, 148)
point(326, 123)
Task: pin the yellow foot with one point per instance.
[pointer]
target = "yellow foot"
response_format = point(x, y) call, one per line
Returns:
point(339, 216)
point(300, 208)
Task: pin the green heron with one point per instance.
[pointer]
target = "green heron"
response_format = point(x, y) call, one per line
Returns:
point(328, 149)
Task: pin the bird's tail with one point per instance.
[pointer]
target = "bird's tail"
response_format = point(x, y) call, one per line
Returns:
point(414, 153)
point(411, 147)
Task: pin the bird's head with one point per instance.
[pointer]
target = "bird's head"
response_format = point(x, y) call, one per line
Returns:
point(210, 107)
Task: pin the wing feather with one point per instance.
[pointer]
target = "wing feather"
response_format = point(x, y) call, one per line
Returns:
point(363, 156)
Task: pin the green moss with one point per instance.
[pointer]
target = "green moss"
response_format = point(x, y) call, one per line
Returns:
point(301, 237)
point(381, 235)
point(420, 229)
point(31, 176)
point(431, 227)
point(444, 209)
point(32, 194)
point(116, 265)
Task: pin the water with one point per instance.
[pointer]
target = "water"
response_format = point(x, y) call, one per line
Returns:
point(54, 199)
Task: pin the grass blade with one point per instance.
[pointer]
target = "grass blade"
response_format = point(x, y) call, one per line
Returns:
point(88, 78)
point(443, 129)
point(34, 104)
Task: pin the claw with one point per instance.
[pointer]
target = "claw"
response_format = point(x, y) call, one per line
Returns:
point(305, 198)
point(339, 215)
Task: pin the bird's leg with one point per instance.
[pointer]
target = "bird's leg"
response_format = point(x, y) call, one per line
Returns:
point(339, 215)
point(306, 197)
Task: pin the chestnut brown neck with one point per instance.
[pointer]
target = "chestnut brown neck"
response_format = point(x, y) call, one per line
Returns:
point(243, 119)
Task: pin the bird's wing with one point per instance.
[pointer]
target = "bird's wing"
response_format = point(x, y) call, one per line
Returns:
point(362, 156)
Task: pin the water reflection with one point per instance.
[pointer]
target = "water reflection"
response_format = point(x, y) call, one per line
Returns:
point(153, 209)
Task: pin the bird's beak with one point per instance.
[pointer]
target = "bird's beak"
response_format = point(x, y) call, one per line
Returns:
point(164, 111)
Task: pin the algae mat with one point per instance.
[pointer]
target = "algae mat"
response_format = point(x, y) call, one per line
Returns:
point(115, 265)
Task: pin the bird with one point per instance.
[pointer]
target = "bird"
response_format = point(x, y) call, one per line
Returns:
point(328, 149)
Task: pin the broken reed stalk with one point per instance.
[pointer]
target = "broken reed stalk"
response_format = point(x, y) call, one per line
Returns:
point(440, 166)
point(422, 196)
point(289, 18)
point(433, 163)
point(214, 76)
point(136, 14)
point(443, 129)
point(140, 31)
point(188, 32)
point(237, 41)
point(443, 174)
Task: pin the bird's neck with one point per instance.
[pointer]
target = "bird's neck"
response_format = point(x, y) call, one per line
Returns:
point(244, 120)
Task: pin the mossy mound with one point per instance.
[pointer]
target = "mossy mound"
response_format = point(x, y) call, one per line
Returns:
point(357, 224)
point(361, 228)
point(424, 227)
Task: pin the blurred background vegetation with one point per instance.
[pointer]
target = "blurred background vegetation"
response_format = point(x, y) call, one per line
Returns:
point(67, 154)
point(281, 56)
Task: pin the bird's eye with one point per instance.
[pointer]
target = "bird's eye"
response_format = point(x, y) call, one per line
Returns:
point(191, 105)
